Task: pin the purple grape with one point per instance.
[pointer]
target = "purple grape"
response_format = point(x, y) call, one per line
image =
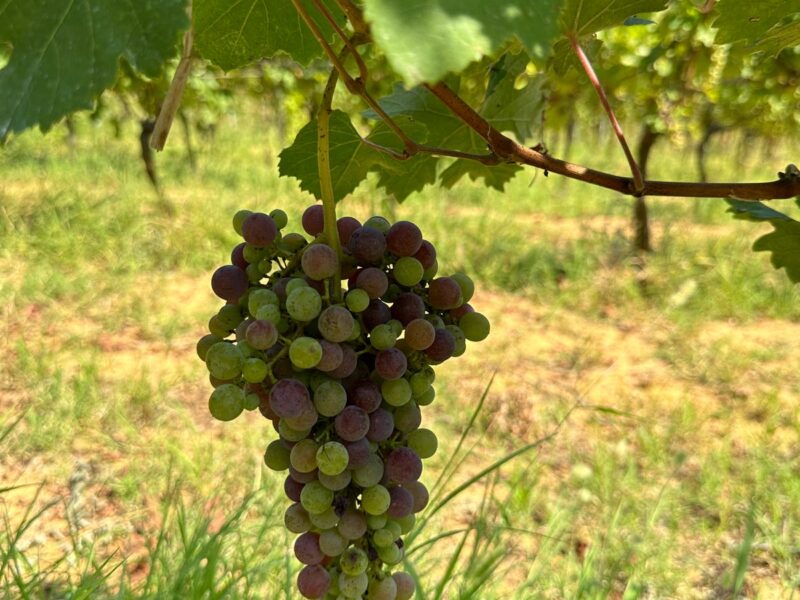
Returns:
point(377, 313)
point(346, 226)
point(237, 256)
point(403, 465)
point(313, 582)
point(402, 503)
point(359, 453)
point(229, 282)
point(407, 417)
point(459, 312)
point(348, 364)
point(366, 395)
point(331, 356)
point(367, 245)
point(420, 494)
point(289, 398)
point(261, 335)
point(306, 548)
point(314, 220)
point(408, 307)
point(302, 477)
point(319, 261)
point(353, 524)
point(352, 424)
point(443, 346)
point(259, 230)
point(426, 254)
point(403, 239)
point(391, 364)
point(444, 293)
point(381, 425)
point(292, 488)
point(280, 288)
point(373, 281)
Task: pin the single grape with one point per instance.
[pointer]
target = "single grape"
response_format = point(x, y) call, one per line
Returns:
point(371, 473)
point(391, 364)
point(375, 522)
point(444, 344)
point(224, 360)
point(373, 281)
point(295, 283)
point(384, 537)
point(466, 284)
point(271, 313)
point(251, 401)
point(402, 503)
point(305, 352)
point(375, 500)
point(330, 398)
point(353, 561)
point(319, 261)
point(366, 395)
point(227, 402)
point(403, 465)
point(292, 488)
point(391, 554)
point(359, 453)
point(238, 218)
point(304, 303)
point(303, 456)
point(444, 293)
point(296, 519)
point(261, 297)
point(422, 380)
point(205, 343)
point(405, 585)
point(382, 337)
point(382, 589)
point(348, 364)
point(237, 256)
point(367, 245)
point(276, 456)
point(396, 392)
point(381, 425)
point(475, 326)
point(313, 220)
point(331, 543)
point(218, 329)
point(253, 254)
point(230, 316)
point(352, 424)
point(280, 218)
point(346, 226)
point(403, 239)
point(337, 482)
point(352, 524)
point(316, 498)
point(431, 271)
point(289, 398)
point(291, 243)
point(407, 307)
point(423, 442)
point(306, 549)
point(376, 314)
point(261, 335)
point(335, 324)
point(408, 271)
point(353, 586)
point(302, 477)
point(291, 434)
point(332, 458)
point(313, 582)
point(426, 255)
point(420, 334)
point(420, 494)
point(459, 341)
point(357, 300)
point(408, 417)
point(332, 356)
point(229, 282)
point(379, 223)
point(259, 229)
point(325, 520)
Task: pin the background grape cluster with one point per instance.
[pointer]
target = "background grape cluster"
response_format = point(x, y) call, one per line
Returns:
point(342, 378)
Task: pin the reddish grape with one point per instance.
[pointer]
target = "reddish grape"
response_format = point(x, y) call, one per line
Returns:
point(319, 261)
point(420, 334)
point(391, 364)
point(289, 398)
point(403, 465)
point(366, 395)
point(314, 220)
point(351, 424)
point(229, 282)
point(346, 226)
point(403, 239)
point(367, 245)
point(259, 230)
point(426, 254)
point(381, 425)
point(331, 356)
point(348, 364)
point(407, 307)
point(402, 503)
point(237, 256)
point(306, 548)
point(313, 582)
point(373, 281)
point(443, 346)
point(444, 293)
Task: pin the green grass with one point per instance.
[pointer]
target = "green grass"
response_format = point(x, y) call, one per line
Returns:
point(675, 475)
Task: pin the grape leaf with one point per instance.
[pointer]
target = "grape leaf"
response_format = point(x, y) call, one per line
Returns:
point(350, 157)
point(409, 176)
point(784, 244)
point(755, 211)
point(508, 108)
point(751, 20)
point(584, 17)
point(65, 53)
point(235, 34)
point(495, 176)
point(426, 39)
point(778, 38)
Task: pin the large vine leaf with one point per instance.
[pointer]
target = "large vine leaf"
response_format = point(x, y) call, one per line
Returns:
point(783, 243)
point(235, 34)
point(509, 108)
point(751, 20)
point(584, 17)
point(66, 52)
point(350, 157)
point(426, 39)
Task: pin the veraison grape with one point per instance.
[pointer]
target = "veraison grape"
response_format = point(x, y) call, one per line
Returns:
point(342, 377)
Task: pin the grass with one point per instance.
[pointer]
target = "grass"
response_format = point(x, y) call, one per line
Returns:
point(675, 474)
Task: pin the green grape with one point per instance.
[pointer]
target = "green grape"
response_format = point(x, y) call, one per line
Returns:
point(357, 300)
point(265, 265)
point(396, 392)
point(435, 320)
point(407, 417)
point(205, 342)
point(379, 223)
point(325, 520)
point(226, 402)
point(230, 316)
point(370, 474)
point(356, 333)
point(466, 284)
point(330, 398)
point(290, 434)
point(393, 526)
point(303, 304)
point(382, 589)
point(408, 271)
point(375, 500)
point(295, 284)
point(261, 297)
point(254, 370)
point(331, 543)
point(316, 498)
point(475, 326)
point(269, 312)
point(238, 219)
point(420, 382)
point(431, 271)
point(253, 254)
point(407, 523)
point(375, 522)
point(246, 349)
point(280, 217)
point(254, 274)
point(382, 337)
point(353, 561)
point(390, 554)
point(397, 327)
point(305, 353)
point(252, 401)
point(458, 335)
point(224, 360)
point(332, 458)
point(296, 519)
point(304, 455)
point(217, 328)
point(384, 537)
point(316, 379)
point(353, 586)
point(283, 325)
point(336, 482)
point(423, 442)
point(277, 456)
point(291, 243)
point(426, 397)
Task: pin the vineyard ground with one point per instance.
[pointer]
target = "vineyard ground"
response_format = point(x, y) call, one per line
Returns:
point(675, 475)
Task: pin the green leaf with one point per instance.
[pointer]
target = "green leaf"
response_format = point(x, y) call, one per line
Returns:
point(508, 108)
point(65, 53)
point(584, 17)
point(755, 211)
point(495, 176)
point(426, 39)
point(235, 34)
point(751, 20)
point(350, 157)
point(779, 38)
point(784, 244)
point(564, 57)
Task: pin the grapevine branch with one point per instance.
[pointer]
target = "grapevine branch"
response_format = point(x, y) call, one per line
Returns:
point(504, 149)
point(638, 179)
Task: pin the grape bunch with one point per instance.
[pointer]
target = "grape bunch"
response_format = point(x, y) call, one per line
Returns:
point(342, 377)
